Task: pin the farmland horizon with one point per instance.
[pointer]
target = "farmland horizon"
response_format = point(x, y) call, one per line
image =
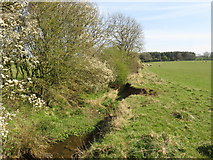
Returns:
point(196, 53)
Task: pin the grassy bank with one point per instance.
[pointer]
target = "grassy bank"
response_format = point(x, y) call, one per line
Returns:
point(175, 123)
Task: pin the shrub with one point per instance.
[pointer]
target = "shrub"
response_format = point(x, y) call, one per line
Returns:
point(94, 74)
point(121, 64)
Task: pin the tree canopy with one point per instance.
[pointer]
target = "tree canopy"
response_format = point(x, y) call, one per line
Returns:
point(124, 32)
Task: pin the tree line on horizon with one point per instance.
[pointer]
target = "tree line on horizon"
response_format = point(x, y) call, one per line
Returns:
point(166, 56)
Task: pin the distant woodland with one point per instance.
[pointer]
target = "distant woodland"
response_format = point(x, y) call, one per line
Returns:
point(166, 56)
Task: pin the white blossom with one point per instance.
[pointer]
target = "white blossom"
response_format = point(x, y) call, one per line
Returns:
point(15, 81)
point(3, 76)
point(9, 81)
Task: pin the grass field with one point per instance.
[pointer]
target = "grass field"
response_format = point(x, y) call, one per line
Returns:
point(196, 74)
point(175, 123)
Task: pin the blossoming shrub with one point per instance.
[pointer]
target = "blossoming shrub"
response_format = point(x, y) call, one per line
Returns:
point(19, 33)
point(17, 67)
point(94, 74)
point(16, 95)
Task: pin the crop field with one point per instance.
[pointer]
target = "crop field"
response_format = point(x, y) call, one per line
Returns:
point(174, 123)
point(196, 74)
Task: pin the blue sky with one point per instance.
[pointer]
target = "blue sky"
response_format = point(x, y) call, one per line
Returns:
point(168, 25)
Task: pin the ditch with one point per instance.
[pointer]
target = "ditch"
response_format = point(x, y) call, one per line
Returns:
point(73, 145)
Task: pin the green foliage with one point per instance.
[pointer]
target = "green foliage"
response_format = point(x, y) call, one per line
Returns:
point(116, 59)
point(110, 105)
point(62, 41)
point(122, 73)
point(133, 62)
point(121, 63)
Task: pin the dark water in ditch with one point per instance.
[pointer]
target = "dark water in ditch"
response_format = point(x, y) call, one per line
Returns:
point(71, 147)
point(74, 144)
point(68, 148)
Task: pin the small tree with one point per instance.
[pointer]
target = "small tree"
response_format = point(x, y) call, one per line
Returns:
point(125, 33)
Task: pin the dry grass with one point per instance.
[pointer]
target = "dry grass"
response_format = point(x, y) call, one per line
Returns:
point(135, 78)
point(122, 115)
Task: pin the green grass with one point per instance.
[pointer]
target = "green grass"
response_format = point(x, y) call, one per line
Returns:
point(175, 123)
point(196, 74)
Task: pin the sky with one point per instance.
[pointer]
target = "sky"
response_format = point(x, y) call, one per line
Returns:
point(167, 25)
